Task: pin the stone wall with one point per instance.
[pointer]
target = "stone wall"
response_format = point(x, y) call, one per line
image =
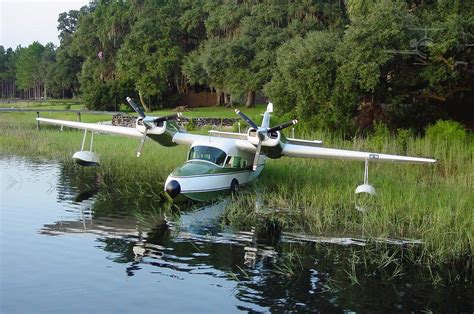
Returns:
point(129, 121)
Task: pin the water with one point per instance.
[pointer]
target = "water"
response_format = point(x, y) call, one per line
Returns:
point(68, 246)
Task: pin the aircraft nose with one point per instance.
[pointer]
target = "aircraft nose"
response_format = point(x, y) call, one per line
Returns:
point(173, 188)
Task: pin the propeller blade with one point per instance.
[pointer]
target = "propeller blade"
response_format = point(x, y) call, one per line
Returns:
point(282, 126)
point(257, 156)
point(135, 107)
point(247, 119)
point(142, 142)
point(170, 117)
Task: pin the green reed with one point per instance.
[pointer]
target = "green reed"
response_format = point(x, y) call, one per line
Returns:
point(432, 203)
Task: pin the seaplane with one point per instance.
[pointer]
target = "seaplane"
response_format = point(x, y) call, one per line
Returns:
point(222, 162)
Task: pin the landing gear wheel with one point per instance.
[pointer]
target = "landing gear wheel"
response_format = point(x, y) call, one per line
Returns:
point(234, 187)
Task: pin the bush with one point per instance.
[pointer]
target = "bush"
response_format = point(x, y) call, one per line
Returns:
point(380, 137)
point(404, 136)
point(446, 131)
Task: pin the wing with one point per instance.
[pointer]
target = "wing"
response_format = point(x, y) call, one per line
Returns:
point(119, 130)
point(294, 150)
point(181, 138)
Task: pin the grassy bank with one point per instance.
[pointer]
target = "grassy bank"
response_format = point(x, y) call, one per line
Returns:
point(214, 112)
point(426, 202)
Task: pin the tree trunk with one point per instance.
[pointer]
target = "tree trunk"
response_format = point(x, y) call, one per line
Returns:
point(226, 99)
point(142, 101)
point(220, 96)
point(250, 103)
point(230, 101)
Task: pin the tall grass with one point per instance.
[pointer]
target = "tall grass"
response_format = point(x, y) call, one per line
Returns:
point(433, 203)
point(118, 161)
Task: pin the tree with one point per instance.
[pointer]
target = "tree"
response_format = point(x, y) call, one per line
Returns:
point(100, 33)
point(28, 70)
point(151, 54)
point(47, 68)
point(7, 73)
point(304, 82)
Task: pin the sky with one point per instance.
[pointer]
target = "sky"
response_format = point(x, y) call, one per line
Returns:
point(24, 21)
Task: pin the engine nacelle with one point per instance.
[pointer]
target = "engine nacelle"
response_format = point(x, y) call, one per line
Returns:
point(161, 132)
point(155, 129)
point(271, 139)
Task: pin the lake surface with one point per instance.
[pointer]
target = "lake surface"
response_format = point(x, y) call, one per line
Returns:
point(67, 245)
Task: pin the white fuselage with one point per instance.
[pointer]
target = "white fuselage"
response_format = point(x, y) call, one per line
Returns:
point(203, 173)
point(214, 182)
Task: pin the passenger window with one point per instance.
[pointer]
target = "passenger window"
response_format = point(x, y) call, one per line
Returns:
point(228, 162)
point(236, 161)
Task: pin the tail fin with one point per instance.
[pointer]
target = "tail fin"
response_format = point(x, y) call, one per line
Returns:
point(270, 107)
point(266, 116)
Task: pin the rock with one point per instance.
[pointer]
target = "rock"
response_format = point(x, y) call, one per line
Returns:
point(129, 121)
point(182, 109)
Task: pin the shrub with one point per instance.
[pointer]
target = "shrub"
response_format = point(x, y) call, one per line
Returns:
point(379, 137)
point(446, 131)
point(404, 136)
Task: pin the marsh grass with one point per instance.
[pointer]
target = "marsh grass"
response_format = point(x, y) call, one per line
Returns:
point(432, 203)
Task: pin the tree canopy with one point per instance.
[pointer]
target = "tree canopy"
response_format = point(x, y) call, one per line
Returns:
point(342, 64)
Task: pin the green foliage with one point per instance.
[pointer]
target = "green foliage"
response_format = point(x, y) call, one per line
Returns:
point(7, 63)
point(451, 131)
point(28, 71)
point(379, 137)
point(342, 65)
point(302, 64)
point(151, 55)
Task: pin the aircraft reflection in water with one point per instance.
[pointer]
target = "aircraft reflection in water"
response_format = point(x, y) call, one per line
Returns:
point(136, 240)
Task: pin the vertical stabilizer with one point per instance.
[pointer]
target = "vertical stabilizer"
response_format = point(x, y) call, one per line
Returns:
point(270, 107)
point(266, 116)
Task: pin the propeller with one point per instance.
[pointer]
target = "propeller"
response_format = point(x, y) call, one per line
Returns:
point(282, 126)
point(149, 121)
point(247, 119)
point(136, 107)
point(262, 132)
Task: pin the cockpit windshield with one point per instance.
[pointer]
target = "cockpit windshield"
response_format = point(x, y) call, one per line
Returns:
point(212, 154)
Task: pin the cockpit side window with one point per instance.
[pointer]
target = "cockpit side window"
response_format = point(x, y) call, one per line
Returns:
point(207, 153)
